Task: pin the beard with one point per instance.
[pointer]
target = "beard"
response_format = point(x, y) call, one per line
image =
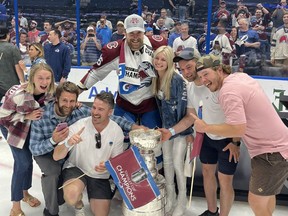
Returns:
point(134, 46)
point(63, 111)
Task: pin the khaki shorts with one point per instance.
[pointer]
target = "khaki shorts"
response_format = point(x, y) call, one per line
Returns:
point(269, 172)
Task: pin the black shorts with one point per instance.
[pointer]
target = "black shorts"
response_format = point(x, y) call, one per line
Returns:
point(212, 152)
point(96, 188)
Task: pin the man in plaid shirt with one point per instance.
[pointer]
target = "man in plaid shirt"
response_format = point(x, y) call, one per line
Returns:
point(45, 136)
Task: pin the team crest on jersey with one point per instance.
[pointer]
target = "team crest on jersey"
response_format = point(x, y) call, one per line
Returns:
point(157, 38)
point(113, 44)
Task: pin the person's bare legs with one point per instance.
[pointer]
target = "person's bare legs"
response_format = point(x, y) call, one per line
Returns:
point(100, 207)
point(226, 193)
point(262, 205)
point(210, 186)
point(73, 193)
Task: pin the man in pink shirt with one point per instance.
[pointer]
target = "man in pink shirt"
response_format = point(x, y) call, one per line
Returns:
point(249, 114)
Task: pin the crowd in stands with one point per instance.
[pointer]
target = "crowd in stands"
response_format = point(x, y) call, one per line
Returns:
point(241, 30)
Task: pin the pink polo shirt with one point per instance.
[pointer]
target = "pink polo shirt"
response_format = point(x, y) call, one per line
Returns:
point(244, 101)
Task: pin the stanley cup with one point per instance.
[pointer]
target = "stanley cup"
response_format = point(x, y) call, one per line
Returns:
point(146, 141)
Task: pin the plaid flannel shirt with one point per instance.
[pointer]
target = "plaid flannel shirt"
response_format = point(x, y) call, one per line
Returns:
point(42, 129)
point(16, 105)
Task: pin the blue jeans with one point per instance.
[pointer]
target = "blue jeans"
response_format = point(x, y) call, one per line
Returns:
point(22, 172)
point(182, 13)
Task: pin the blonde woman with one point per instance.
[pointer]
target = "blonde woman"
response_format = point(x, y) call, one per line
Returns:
point(171, 96)
point(21, 106)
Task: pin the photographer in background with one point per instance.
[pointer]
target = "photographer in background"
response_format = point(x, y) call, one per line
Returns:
point(104, 31)
point(91, 47)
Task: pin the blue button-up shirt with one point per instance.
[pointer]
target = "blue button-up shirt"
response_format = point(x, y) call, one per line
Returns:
point(42, 129)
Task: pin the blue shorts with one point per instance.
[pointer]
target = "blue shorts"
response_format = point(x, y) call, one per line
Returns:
point(212, 152)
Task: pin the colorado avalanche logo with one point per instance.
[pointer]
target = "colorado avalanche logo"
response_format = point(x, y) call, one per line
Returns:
point(157, 38)
point(113, 44)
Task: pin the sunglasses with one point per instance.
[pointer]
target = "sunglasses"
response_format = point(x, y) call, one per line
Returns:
point(98, 140)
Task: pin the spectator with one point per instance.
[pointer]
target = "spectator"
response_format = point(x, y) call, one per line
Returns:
point(12, 32)
point(21, 106)
point(23, 21)
point(248, 39)
point(175, 33)
point(185, 40)
point(149, 21)
point(241, 12)
point(170, 91)
point(158, 25)
point(182, 9)
point(91, 47)
point(169, 23)
point(266, 138)
point(57, 56)
point(24, 47)
point(104, 32)
point(149, 31)
point(164, 32)
point(201, 40)
point(10, 73)
point(279, 46)
point(119, 33)
point(222, 13)
point(34, 32)
point(67, 31)
point(43, 35)
point(36, 54)
point(260, 23)
point(223, 45)
point(277, 15)
point(234, 33)
point(106, 22)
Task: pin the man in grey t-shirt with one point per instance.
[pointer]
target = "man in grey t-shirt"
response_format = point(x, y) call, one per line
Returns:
point(10, 73)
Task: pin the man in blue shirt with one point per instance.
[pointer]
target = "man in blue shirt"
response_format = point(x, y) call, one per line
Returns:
point(57, 55)
point(104, 31)
point(45, 136)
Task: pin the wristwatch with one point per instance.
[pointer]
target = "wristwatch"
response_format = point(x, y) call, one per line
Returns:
point(237, 143)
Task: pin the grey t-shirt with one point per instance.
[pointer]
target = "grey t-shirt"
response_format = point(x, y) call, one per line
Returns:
point(9, 57)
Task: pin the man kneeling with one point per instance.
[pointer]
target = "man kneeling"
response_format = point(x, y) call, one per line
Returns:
point(91, 142)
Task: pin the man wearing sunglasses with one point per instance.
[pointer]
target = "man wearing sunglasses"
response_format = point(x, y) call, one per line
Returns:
point(91, 142)
point(45, 136)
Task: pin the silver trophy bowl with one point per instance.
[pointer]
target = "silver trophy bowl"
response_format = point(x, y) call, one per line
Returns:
point(145, 139)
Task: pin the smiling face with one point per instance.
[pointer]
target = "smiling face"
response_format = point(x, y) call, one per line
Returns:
point(135, 40)
point(100, 112)
point(66, 103)
point(211, 79)
point(188, 68)
point(42, 80)
point(160, 62)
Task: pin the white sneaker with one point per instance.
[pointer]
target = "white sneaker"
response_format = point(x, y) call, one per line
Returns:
point(80, 212)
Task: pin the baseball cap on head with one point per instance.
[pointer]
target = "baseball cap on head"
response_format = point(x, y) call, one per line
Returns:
point(207, 61)
point(120, 23)
point(34, 22)
point(187, 54)
point(134, 22)
point(149, 29)
point(3, 31)
point(90, 28)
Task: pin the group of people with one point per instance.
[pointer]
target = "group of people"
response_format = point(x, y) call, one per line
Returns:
point(151, 93)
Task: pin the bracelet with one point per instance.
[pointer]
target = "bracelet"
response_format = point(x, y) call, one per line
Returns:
point(172, 131)
point(237, 143)
point(52, 141)
point(67, 145)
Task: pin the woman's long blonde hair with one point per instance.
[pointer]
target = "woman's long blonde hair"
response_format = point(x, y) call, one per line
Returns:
point(166, 82)
point(34, 69)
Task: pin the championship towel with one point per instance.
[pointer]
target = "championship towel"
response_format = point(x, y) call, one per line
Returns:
point(132, 178)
